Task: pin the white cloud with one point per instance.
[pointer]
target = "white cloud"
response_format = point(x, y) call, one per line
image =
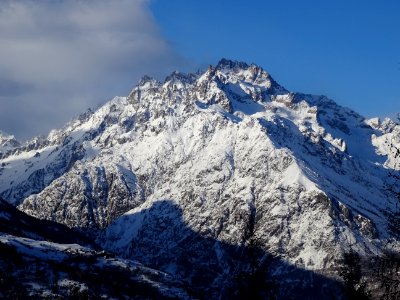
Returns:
point(58, 58)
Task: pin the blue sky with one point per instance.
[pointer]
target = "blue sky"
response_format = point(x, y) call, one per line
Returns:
point(348, 50)
point(58, 58)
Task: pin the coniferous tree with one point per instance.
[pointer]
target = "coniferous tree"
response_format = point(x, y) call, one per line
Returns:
point(350, 272)
point(393, 216)
point(253, 281)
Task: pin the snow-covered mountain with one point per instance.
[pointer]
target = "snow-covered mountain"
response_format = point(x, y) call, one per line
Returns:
point(184, 175)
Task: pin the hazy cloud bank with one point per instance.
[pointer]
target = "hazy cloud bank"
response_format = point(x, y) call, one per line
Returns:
point(58, 58)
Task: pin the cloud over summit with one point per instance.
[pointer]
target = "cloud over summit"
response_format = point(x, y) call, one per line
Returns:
point(58, 58)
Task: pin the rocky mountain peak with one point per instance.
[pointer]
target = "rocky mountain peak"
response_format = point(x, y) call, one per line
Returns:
point(8, 139)
point(236, 72)
point(177, 76)
point(231, 64)
point(7, 143)
point(148, 81)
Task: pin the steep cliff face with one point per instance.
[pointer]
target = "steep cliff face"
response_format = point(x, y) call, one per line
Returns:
point(238, 158)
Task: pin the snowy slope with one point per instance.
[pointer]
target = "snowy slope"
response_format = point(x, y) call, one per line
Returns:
point(235, 156)
point(38, 269)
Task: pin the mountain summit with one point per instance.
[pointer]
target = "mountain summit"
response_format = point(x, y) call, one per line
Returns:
point(222, 157)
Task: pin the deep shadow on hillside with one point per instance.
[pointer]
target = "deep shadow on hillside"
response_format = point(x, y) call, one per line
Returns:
point(215, 269)
point(18, 223)
point(41, 259)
